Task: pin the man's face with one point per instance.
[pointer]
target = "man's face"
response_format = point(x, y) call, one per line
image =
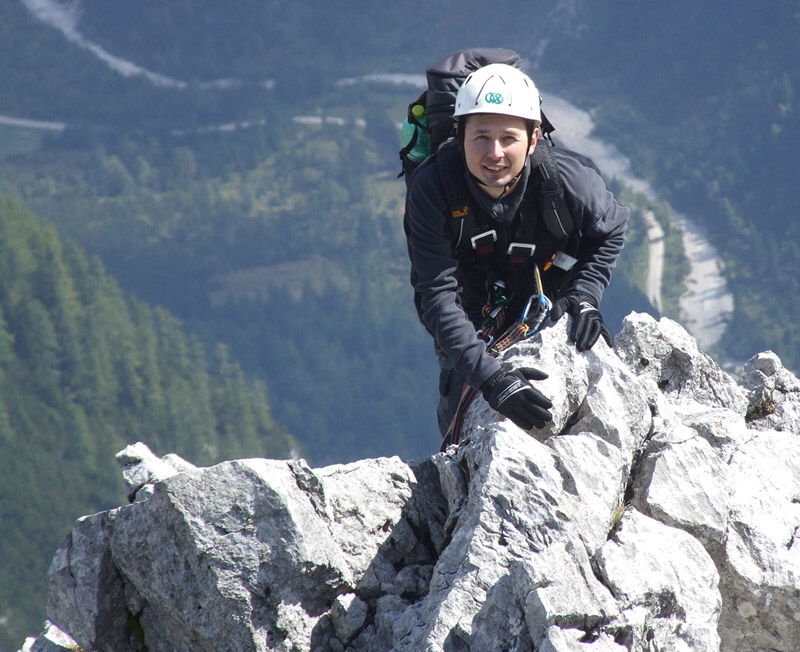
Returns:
point(495, 149)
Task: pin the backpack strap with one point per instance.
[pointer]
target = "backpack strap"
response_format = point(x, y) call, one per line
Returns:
point(460, 206)
point(552, 204)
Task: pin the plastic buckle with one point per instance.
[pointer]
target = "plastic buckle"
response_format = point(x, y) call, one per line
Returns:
point(519, 252)
point(476, 239)
point(514, 248)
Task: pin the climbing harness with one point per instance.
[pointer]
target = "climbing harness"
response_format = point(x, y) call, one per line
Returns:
point(531, 321)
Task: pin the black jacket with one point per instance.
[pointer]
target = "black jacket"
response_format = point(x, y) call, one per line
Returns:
point(450, 289)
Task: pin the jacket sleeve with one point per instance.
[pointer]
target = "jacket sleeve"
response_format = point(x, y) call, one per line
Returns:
point(604, 223)
point(435, 276)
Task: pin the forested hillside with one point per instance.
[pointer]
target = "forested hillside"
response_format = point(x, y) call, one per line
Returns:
point(263, 239)
point(83, 372)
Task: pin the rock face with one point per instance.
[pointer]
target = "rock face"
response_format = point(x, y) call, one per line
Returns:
point(658, 511)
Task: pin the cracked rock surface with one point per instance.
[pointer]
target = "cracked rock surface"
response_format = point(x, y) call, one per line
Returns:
point(659, 511)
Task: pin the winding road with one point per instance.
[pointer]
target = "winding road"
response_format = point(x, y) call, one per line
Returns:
point(655, 263)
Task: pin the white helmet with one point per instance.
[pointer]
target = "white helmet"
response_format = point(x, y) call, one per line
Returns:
point(499, 88)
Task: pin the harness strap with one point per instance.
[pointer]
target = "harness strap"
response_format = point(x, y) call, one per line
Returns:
point(456, 192)
point(552, 205)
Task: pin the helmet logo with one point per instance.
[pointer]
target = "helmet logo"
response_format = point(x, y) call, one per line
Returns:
point(493, 98)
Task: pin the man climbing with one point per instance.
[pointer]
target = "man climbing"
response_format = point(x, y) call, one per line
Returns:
point(493, 205)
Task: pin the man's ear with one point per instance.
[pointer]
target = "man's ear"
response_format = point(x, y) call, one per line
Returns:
point(534, 139)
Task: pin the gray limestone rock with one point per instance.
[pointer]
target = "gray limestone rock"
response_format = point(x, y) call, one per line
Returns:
point(658, 511)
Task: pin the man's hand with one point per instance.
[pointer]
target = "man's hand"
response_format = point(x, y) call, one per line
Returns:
point(513, 396)
point(587, 322)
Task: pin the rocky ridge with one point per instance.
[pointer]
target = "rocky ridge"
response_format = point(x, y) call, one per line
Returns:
point(658, 511)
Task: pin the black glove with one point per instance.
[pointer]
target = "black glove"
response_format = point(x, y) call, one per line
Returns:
point(587, 322)
point(510, 393)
